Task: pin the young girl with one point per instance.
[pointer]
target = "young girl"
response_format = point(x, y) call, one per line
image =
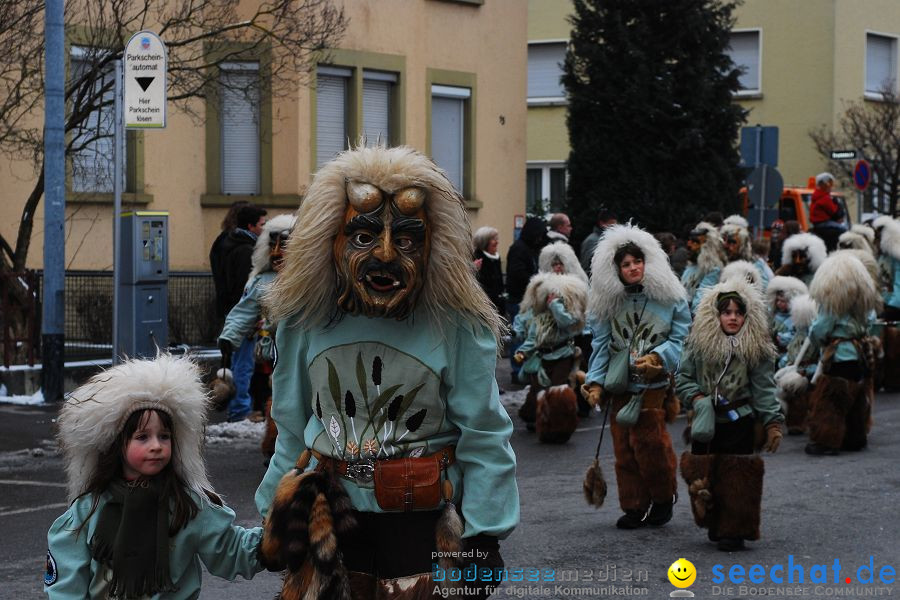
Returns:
point(639, 315)
point(726, 378)
point(143, 513)
point(779, 294)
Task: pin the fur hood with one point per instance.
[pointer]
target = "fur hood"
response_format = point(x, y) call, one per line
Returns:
point(743, 270)
point(534, 292)
point(881, 221)
point(743, 236)
point(570, 288)
point(867, 232)
point(261, 261)
point(803, 311)
point(712, 253)
point(852, 240)
point(707, 340)
point(890, 239)
point(736, 220)
point(306, 287)
point(791, 287)
point(94, 414)
point(607, 290)
point(843, 286)
point(564, 253)
point(868, 261)
point(812, 244)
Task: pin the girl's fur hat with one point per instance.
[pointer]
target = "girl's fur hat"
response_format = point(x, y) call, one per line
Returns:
point(712, 253)
point(790, 287)
point(843, 286)
point(852, 240)
point(803, 311)
point(562, 252)
point(736, 220)
point(262, 260)
point(890, 238)
point(742, 234)
point(607, 290)
point(743, 270)
point(306, 286)
point(711, 344)
point(813, 245)
point(95, 413)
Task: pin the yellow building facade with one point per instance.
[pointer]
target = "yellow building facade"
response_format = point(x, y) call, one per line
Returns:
point(805, 60)
point(444, 76)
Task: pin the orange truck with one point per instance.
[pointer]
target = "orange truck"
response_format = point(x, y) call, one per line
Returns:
point(793, 206)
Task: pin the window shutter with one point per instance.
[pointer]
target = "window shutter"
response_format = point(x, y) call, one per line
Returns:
point(331, 131)
point(880, 66)
point(240, 128)
point(447, 137)
point(745, 54)
point(545, 69)
point(376, 112)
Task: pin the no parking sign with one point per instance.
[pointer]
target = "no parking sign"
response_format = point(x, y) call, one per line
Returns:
point(862, 175)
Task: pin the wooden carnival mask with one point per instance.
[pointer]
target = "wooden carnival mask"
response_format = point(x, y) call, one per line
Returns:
point(381, 253)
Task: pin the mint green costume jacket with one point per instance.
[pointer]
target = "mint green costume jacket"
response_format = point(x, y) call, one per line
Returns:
point(390, 388)
point(225, 549)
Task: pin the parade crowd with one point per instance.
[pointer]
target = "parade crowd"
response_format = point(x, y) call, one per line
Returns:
point(372, 320)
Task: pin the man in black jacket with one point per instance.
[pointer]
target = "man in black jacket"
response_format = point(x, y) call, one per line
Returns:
point(521, 265)
point(235, 252)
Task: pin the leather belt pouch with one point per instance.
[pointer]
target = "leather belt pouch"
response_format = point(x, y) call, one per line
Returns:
point(406, 484)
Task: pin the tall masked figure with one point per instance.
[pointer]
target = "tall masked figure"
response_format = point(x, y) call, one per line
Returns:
point(639, 317)
point(707, 257)
point(392, 447)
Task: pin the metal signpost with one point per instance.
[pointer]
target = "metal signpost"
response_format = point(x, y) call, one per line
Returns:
point(139, 104)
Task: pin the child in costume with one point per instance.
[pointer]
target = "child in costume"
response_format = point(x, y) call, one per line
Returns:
point(549, 355)
point(384, 391)
point(143, 515)
point(795, 369)
point(706, 260)
point(781, 291)
point(801, 256)
point(726, 379)
point(842, 399)
point(639, 316)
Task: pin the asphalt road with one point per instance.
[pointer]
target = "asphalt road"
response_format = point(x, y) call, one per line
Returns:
point(815, 510)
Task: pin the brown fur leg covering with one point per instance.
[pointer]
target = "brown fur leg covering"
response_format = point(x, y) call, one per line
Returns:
point(828, 418)
point(654, 455)
point(633, 493)
point(891, 348)
point(737, 492)
point(268, 442)
point(696, 470)
point(797, 413)
point(859, 417)
point(528, 410)
point(557, 414)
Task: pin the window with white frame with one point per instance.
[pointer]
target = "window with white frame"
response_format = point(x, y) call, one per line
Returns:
point(545, 68)
point(92, 156)
point(240, 104)
point(448, 113)
point(377, 94)
point(332, 84)
point(744, 49)
point(881, 63)
point(546, 183)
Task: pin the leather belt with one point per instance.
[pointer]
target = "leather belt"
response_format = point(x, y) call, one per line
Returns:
point(363, 469)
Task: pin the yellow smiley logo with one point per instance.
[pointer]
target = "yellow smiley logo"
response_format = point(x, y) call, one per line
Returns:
point(682, 573)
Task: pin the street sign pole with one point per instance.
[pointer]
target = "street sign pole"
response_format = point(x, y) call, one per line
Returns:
point(118, 152)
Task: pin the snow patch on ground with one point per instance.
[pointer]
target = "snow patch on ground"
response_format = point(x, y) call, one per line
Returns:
point(36, 398)
point(224, 433)
point(514, 398)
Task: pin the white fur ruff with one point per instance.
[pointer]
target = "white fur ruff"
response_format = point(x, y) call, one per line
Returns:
point(570, 288)
point(708, 341)
point(851, 239)
point(803, 311)
point(790, 287)
point(813, 245)
point(94, 414)
point(736, 220)
point(562, 252)
point(843, 286)
point(742, 270)
point(261, 260)
point(607, 290)
point(890, 239)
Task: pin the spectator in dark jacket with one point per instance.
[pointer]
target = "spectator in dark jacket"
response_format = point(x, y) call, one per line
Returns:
point(237, 250)
point(522, 260)
point(487, 265)
point(217, 257)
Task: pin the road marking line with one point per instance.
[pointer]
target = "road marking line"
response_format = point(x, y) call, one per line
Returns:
point(32, 509)
point(24, 482)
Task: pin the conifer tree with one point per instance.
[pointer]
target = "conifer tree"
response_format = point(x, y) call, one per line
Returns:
point(653, 127)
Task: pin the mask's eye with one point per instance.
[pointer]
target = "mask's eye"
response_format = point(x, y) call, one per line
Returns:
point(404, 243)
point(362, 239)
